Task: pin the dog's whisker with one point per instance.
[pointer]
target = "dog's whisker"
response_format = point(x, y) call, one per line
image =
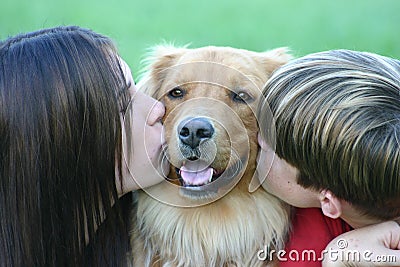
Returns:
point(208, 151)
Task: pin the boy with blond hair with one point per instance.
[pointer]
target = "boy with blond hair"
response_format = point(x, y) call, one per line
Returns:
point(337, 121)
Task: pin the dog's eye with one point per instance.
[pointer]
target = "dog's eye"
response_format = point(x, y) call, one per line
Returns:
point(241, 97)
point(176, 93)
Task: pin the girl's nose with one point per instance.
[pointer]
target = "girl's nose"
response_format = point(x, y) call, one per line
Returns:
point(157, 111)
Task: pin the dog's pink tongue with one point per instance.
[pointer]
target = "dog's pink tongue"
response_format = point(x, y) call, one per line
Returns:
point(194, 173)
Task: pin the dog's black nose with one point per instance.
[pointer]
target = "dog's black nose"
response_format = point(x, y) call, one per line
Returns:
point(194, 130)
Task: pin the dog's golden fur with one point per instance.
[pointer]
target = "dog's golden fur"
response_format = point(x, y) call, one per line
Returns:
point(230, 230)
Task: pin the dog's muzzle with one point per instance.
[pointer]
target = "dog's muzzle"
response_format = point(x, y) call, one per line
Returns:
point(194, 135)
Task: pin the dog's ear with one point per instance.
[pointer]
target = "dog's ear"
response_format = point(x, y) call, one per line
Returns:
point(273, 59)
point(157, 62)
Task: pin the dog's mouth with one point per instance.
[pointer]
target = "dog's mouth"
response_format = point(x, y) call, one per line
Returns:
point(201, 179)
point(196, 173)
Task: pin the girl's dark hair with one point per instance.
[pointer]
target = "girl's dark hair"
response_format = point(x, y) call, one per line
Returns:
point(61, 92)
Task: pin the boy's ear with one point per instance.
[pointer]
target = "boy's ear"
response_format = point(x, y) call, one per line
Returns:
point(331, 205)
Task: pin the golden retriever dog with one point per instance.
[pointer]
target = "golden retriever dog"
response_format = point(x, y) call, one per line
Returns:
point(205, 214)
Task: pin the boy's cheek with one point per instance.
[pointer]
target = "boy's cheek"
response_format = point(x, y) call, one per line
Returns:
point(263, 166)
point(261, 142)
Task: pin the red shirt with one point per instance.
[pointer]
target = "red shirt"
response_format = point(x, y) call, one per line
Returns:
point(311, 233)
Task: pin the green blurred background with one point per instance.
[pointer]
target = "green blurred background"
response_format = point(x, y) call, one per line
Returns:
point(304, 26)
